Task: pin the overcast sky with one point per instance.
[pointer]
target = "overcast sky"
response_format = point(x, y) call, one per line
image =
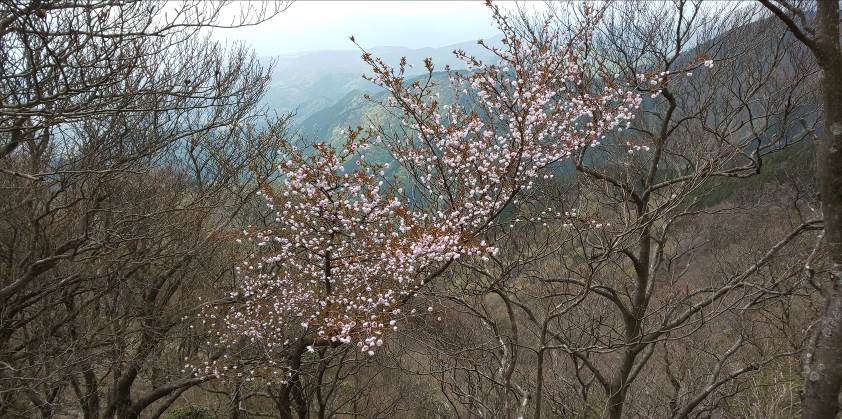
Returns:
point(309, 25)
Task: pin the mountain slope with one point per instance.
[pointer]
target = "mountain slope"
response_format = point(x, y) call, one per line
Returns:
point(306, 82)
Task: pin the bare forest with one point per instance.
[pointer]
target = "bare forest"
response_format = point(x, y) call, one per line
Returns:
point(622, 209)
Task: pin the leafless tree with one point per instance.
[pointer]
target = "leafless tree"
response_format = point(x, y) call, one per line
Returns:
point(607, 299)
point(130, 144)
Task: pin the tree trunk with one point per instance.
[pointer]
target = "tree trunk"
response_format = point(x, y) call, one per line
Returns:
point(615, 403)
point(291, 395)
point(619, 387)
point(235, 401)
point(823, 362)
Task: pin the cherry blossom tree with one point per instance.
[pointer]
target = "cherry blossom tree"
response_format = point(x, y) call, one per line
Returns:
point(346, 245)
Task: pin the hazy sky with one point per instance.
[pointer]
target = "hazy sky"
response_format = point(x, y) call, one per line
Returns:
point(316, 25)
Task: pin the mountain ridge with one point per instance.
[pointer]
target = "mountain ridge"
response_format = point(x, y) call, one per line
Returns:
point(309, 81)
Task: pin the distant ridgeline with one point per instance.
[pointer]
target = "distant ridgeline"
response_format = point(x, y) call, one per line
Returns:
point(330, 125)
point(307, 82)
point(328, 95)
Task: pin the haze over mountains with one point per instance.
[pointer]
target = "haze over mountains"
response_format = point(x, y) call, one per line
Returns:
point(308, 82)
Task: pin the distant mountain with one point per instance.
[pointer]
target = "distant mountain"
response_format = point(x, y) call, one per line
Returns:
point(330, 124)
point(307, 82)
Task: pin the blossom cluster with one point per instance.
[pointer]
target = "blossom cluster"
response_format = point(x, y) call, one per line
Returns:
point(341, 254)
point(347, 247)
point(537, 103)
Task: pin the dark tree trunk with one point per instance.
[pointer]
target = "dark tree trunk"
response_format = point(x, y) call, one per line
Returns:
point(823, 362)
point(823, 357)
point(291, 394)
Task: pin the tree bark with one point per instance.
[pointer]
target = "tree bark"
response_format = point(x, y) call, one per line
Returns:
point(291, 395)
point(823, 362)
point(823, 357)
point(823, 365)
